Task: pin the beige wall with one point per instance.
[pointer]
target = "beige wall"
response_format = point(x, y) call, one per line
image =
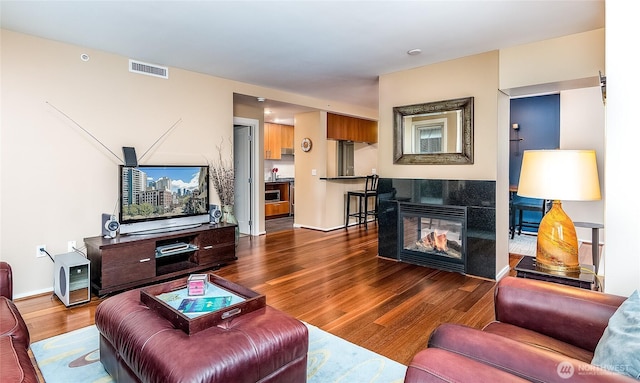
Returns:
point(320, 202)
point(474, 76)
point(555, 64)
point(310, 190)
point(55, 179)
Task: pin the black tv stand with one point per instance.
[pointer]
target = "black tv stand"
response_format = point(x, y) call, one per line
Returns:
point(129, 261)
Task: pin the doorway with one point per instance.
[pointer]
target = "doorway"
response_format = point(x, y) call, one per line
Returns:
point(535, 124)
point(245, 164)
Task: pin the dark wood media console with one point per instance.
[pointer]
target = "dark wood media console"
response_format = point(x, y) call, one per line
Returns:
point(130, 261)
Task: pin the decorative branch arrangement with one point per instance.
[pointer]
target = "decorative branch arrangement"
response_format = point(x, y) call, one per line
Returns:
point(223, 177)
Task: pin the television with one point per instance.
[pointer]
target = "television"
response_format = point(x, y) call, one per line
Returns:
point(159, 198)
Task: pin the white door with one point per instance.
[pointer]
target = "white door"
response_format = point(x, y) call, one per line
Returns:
point(242, 169)
point(248, 185)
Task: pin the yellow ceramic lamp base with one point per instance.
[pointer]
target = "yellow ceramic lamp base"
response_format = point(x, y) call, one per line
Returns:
point(557, 249)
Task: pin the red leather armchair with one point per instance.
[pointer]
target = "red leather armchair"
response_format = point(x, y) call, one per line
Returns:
point(6, 280)
point(543, 332)
point(15, 363)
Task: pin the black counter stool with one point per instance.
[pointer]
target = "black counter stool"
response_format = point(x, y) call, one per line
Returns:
point(363, 196)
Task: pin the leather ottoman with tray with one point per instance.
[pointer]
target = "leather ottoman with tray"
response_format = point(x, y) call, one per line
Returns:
point(143, 338)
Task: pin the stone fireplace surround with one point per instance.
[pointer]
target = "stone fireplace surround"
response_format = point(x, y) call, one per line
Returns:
point(478, 196)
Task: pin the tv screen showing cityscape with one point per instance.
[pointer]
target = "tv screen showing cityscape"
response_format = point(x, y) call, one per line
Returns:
point(161, 192)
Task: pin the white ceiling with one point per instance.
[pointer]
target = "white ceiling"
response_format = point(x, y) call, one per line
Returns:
point(332, 50)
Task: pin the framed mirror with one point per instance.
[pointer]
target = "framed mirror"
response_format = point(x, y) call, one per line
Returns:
point(435, 133)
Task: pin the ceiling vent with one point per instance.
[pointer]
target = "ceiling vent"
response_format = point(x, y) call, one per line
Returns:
point(148, 69)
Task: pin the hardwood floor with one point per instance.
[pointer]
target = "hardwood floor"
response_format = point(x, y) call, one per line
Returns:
point(278, 224)
point(333, 280)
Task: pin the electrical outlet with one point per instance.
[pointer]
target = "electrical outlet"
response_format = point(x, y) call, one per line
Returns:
point(71, 246)
point(40, 251)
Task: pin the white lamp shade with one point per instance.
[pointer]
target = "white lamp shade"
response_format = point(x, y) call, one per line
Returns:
point(570, 175)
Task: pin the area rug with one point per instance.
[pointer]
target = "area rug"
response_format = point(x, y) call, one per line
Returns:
point(523, 244)
point(74, 357)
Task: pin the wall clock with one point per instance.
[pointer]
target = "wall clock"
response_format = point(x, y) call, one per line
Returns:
point(306, 144)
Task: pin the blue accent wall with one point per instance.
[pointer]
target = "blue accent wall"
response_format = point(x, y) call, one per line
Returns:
point(539, 121)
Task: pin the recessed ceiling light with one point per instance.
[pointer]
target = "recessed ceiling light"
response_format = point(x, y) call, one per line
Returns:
point(261, 99)
point(414, 52)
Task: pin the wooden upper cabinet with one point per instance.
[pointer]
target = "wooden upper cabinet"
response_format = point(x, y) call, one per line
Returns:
point(286, 134)
point(276, 138)
point(272, 141)
point(351, 129)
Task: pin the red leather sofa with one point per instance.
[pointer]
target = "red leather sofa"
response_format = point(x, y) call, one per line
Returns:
point(15, 363)
point(543, 332)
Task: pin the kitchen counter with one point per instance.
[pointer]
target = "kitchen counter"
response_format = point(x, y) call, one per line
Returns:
point(281, 180)
point(343, 178)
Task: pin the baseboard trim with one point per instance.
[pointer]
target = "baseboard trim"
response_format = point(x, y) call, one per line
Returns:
point(318, 228)
point(503, 273)
point(33, 293)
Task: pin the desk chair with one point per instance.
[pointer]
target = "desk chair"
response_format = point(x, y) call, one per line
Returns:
point(518, 205)
point(363, 197)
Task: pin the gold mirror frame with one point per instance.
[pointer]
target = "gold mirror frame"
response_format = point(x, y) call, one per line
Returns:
point(465, 105)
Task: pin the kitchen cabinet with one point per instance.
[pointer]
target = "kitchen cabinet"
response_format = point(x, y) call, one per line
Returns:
point(345, 128)
point(276, 209)
point(272, 141)
point(286, 134)
point(280, 207)
point(278, 139)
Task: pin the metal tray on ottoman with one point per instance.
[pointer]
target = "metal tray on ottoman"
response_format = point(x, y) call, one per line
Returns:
point(250, 301)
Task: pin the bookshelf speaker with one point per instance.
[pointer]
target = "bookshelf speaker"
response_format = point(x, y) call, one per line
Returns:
point(215, 214)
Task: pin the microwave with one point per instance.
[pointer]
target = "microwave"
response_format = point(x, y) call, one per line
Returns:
point(271, 195)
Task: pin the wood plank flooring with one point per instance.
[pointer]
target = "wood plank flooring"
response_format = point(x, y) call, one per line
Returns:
point(333, 280)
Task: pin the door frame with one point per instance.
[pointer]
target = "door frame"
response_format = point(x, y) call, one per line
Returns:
point(254, 165)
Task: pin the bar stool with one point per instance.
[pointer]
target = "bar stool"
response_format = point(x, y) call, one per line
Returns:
point(363, 196)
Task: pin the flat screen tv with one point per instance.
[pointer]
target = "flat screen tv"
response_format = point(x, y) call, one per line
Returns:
point(157, 198)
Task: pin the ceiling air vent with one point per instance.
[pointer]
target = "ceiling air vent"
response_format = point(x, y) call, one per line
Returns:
point(148, 69)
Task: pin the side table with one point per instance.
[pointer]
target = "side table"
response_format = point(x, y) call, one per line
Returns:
point(526, 268)
point(595, 240)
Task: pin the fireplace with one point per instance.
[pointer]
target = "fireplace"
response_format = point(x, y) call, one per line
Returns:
point(473, 199)
point(433, 236)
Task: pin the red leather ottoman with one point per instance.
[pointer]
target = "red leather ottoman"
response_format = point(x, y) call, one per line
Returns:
point(137, 345)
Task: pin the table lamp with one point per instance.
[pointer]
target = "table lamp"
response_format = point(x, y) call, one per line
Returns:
point(556, 175)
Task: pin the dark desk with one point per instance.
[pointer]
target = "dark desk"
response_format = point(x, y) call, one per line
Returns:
point(526, 268)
